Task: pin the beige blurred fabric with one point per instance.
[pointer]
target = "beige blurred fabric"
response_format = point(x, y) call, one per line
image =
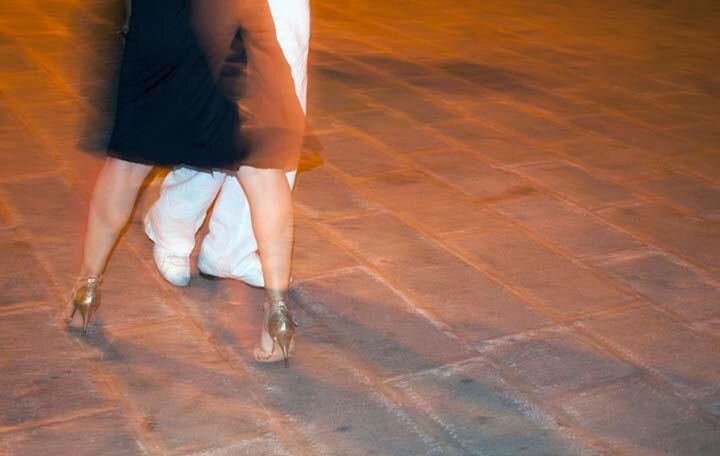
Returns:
point(273, 121)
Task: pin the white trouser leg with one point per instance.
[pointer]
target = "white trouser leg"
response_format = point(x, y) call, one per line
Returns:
point(178, 213)
point(230, 246)
point(292, 28)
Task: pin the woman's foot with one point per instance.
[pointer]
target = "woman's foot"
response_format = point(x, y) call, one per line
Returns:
point(278, 333)
point(86, 299)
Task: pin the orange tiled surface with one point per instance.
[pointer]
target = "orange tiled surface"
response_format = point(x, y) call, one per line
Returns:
point(511, 247)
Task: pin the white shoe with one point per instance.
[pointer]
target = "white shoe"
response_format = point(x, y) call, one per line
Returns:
point(174, 268)
point(248, 271)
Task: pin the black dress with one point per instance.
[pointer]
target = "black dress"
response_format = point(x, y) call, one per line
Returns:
point(172, 109)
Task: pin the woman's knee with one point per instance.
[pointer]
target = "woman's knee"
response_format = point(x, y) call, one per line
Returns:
point(126, 172)
point(116, 190)
point(261, 177)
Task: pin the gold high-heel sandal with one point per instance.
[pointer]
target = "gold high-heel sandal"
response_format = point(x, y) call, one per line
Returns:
point(86, 299)
point(280, 326)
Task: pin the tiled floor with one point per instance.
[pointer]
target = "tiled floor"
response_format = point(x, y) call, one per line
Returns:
point(511, 247)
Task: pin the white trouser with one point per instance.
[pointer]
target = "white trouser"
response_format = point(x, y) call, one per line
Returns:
point(187, 193)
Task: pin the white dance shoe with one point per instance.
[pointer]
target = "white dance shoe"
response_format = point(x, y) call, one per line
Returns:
point(174, 268)
point(249, 270)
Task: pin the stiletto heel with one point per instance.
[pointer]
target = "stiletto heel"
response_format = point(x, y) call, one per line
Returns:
point(280, 326)
point(86, 299)
point(283, 341)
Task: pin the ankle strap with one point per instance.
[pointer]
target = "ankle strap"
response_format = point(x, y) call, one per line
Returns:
point(90, 281)
point(274, 295)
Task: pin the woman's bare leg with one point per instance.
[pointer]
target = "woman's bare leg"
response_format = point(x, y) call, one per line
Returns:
point(271, 209)
point(114, 196)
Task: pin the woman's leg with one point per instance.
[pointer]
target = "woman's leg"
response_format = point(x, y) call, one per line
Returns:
point(112, 202)
point(271, 210)
point(113, 198)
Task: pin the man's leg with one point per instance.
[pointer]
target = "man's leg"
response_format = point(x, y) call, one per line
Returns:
point(229, 250)
point(187, 193)
point(171, 223)
point(292, 26)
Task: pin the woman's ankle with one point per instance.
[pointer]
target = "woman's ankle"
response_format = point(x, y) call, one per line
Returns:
point(276, 295)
